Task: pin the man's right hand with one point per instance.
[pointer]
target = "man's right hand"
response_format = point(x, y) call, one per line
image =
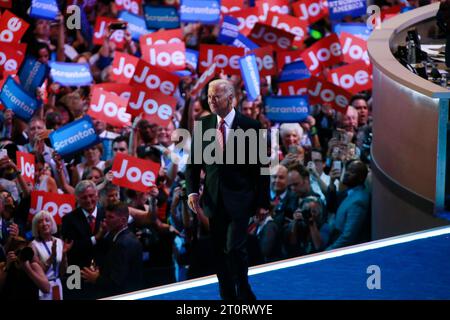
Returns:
point(193, 202)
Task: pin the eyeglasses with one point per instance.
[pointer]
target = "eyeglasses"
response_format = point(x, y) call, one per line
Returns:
point(119, 149)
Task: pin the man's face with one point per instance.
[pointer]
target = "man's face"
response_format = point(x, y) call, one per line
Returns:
point(247, 109)
point(113, 221)
point(297, 183)
point(363, 111)
point(120, 147)
point(113, 196)
point(99, 126)
point(164, 135)
point(219, 100)
point(278, 181)
point(352, 175)
point(87, 200)
point(35, 128)
point(316, 158)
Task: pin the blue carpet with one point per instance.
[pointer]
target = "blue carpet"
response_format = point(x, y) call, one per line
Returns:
point(418, 269)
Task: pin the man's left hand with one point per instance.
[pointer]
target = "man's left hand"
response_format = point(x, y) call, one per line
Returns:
point(90, 275)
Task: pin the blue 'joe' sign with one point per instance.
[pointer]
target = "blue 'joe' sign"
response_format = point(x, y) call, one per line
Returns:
point(16, 98)
point(75, 136)
point(287, 108)
point(341, 8)
point(158, 17)
point(250, 74)
point(71, 74)
point(44, 9)
point(204, 11)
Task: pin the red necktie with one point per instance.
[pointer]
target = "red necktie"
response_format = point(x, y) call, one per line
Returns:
point(91, 220)
point(221, 134)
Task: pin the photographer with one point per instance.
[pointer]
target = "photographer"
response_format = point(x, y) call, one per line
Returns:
point(22, 276)
point(302, 235)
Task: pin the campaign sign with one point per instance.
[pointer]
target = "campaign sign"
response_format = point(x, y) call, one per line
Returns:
point(171, 56)
point(110, 108)
point(294, 71)
point(227, 6)
point(154, 78)
point(75, 136)
point(289, 24)
point(206, 77)
point(324, 92)
point(44, 9)
point(101, 31)
point(161, 17)
point(265, 35)
point(6, 4)
point(286, 57)
point(155, 106)
point(58, 205)
point(13, 96)
point(341, 8)
point(120, 89)
point(250, 74)
point(354, 49)
point(265, 61)
point(123, 67)
point(243, 42)
point(70, 74)
point(354, 78)
point(136, 24)
point(12, 28)
point(247, 19)
point(10, 58)
point(129, 5)
point(134, 173)
point(275, 6)
point(310, 10)
point(192, 58)
point(161, 37)
point(293, 88)
point(359, 30)
point(25, 163)
point(287, 108)
point(225, 57)
point(229, 30)
point(204, 11)
point(324, 53)
point(32, 74)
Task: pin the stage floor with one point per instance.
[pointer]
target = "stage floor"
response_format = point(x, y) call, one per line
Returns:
point(412, 266)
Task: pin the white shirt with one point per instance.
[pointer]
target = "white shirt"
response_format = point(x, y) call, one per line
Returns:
point(229, 118)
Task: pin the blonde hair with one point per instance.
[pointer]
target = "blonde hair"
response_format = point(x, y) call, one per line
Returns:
point(41, 215)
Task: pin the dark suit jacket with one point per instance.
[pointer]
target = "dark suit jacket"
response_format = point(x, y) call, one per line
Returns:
point(76, 227)
point(241, 186)
point(122, 269)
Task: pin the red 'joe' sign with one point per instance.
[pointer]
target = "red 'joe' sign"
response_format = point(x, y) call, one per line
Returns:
point(57, 204)
point(324, 53)
point(225, 57)
point(154, 78)
point(12, 28)
point(25, 163)
point(153, 105)
point(171, 57)
point(123, 67)
point(324, 92)
point(110, 108)
point(354, 78)
point(354, 49)
point(134, 173)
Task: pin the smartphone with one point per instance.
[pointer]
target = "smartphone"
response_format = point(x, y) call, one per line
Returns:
point(120, 25)
point(293, 149)
point(337, 164)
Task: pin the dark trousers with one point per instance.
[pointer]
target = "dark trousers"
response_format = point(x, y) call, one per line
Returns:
point(229, 238)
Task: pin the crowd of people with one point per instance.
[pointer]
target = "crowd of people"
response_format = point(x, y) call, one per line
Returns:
point(123, 239)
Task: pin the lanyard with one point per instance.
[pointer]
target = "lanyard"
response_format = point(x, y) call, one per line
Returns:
point(50, 254)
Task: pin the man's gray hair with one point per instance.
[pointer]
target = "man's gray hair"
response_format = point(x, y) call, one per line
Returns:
point(83, 185)
point(228, 86)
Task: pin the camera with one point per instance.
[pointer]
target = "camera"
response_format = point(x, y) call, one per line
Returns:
point(148, 238)
point(118, 26)
point(306, 213)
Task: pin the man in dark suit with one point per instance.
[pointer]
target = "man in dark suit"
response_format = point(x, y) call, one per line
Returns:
point(122, 268)
point(83, 226)
point(233, 192)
